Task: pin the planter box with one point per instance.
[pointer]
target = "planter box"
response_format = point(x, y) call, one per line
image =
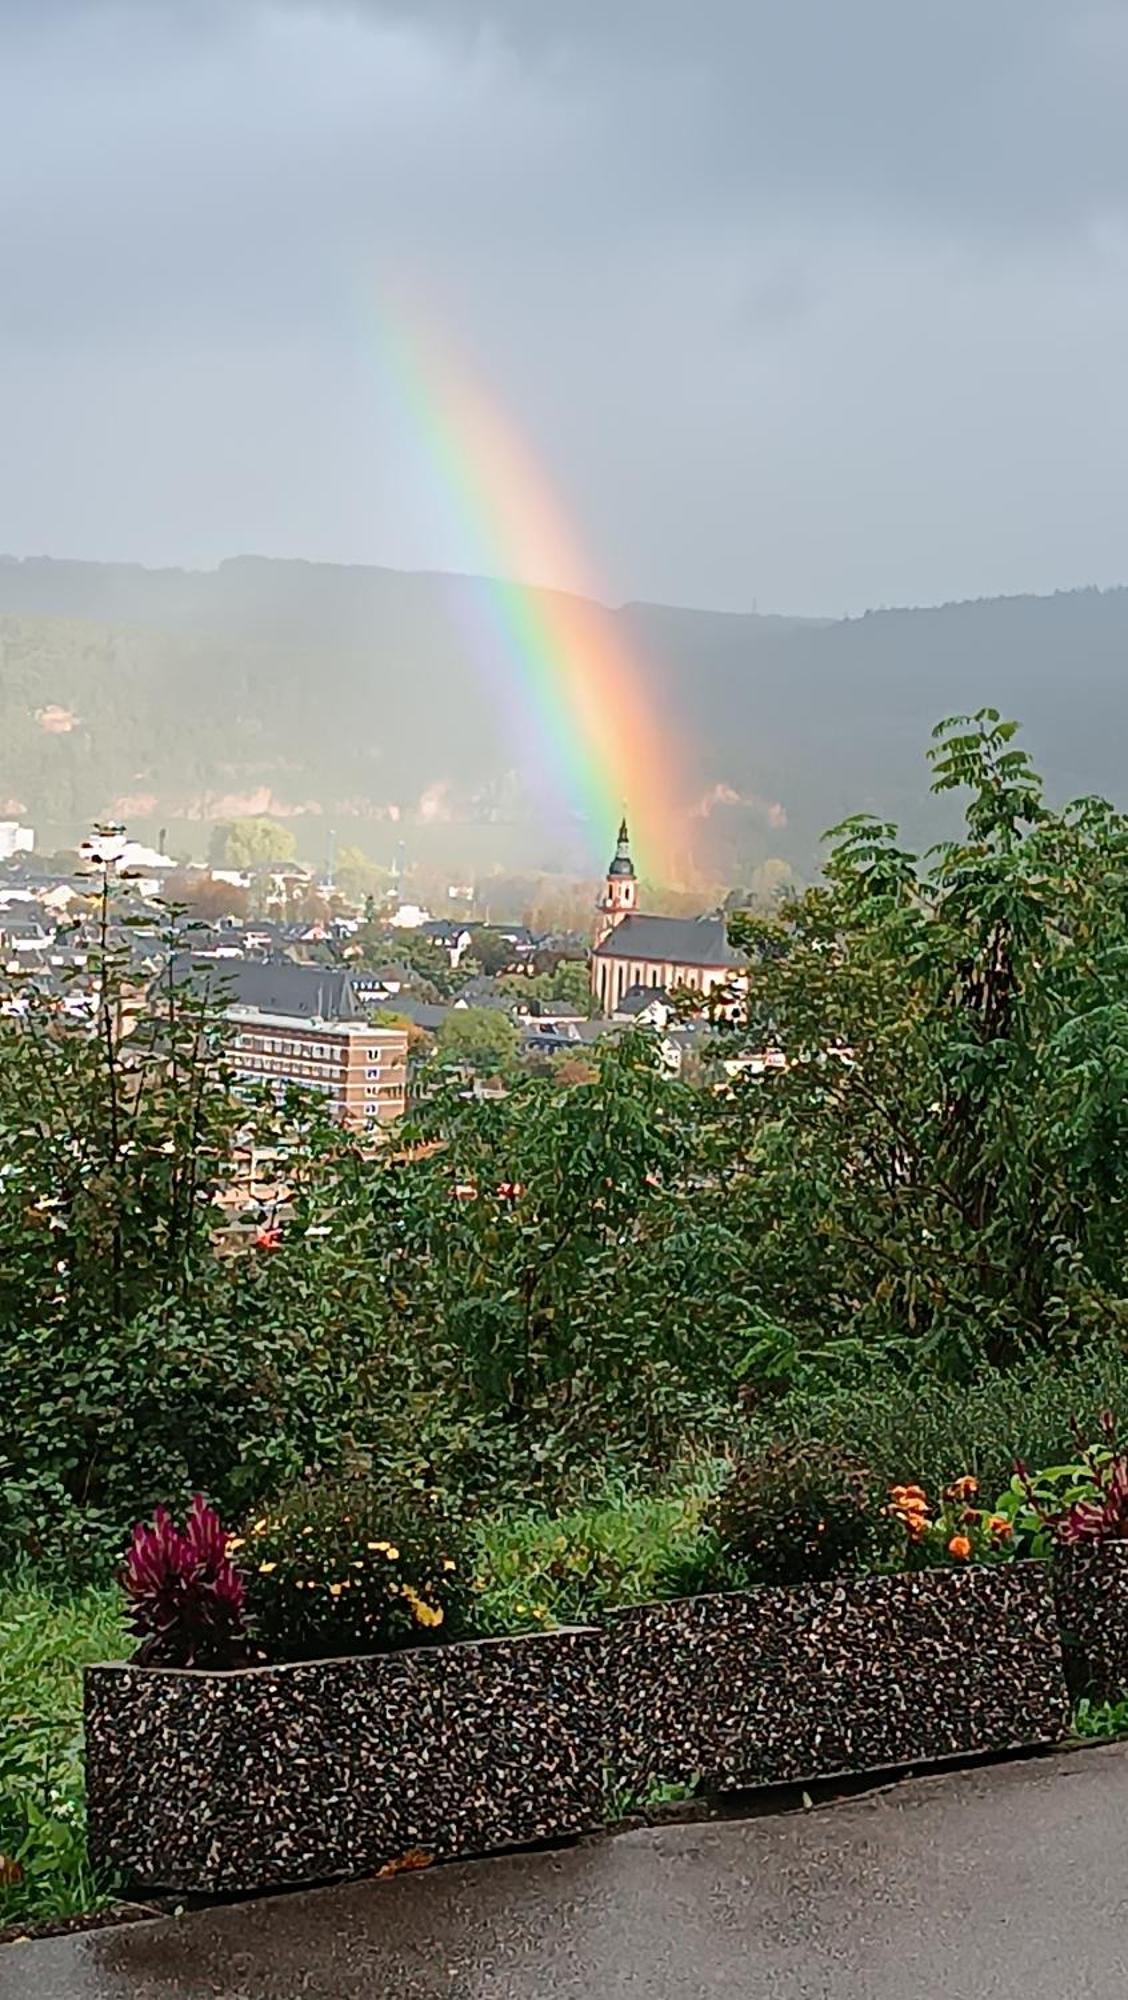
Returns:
point(772, 1686)
point(209, 1781)
point(1092, 1599)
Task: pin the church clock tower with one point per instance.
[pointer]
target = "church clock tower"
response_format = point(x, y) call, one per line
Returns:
point(620, 896)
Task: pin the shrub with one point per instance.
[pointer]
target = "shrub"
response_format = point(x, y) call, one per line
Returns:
point(916, 1429)
point(797, 1513)
point(186, 1597)
point(1081, 1503)
point(354, 1568)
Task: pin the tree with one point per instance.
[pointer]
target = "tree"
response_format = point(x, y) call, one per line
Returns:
point(479, 1039)
point(490, 952)
point(358, 878)
point(940, 1168)
point(250, 843)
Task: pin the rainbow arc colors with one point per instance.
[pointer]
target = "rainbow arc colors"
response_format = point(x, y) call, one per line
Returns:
point(586, 713)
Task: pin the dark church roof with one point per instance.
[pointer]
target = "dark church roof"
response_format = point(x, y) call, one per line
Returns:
point(305, 992)
point(671, 941)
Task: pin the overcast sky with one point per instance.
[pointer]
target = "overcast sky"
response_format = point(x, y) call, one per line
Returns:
point(818, 304)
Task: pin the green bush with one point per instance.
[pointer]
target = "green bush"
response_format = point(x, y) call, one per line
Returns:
point(795, 1514)
point(354, 1568)
point(932, 1432)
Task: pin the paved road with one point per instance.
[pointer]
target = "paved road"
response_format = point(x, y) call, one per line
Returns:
point(1003, 1883)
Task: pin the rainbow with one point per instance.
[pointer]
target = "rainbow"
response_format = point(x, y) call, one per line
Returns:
point(584, 709)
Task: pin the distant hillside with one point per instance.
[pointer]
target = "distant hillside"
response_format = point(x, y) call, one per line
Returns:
point(353, 696)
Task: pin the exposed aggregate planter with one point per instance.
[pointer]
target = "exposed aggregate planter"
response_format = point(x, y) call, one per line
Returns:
point(209, 1781)
point(774, 1685)
point(1092, 1599)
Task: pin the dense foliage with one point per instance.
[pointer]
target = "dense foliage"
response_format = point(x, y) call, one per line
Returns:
point(904, 1238)
point(939, 1168)
point(354, 1568)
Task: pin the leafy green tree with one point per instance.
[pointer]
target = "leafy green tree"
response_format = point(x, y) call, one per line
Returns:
point(545, 1252)
point(250, 843)
point(138, 1356)
point(480, 1040)
point(359, 878)
point(566, 984)
point(489, 952)
point(939, 1168)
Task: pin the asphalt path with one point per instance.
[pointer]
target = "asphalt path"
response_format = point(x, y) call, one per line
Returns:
point(1003, 1882)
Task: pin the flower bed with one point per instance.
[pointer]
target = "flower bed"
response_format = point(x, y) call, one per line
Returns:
point(207, 1781)
point(782, 1683)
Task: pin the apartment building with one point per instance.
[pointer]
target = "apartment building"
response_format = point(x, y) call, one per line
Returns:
point(304, 1024)
point(360, 1070)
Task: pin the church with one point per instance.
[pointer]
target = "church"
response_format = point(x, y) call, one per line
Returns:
point(638, 958)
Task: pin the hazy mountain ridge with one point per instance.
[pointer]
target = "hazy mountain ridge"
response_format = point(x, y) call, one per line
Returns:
point(355, 690)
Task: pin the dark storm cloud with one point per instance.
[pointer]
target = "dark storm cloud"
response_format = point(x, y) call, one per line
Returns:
point(821, 301)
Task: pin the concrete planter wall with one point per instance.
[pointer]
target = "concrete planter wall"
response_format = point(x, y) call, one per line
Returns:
point(772, 1686)
point(1092, 1598)
point(207, 1781)
point(273, 1775)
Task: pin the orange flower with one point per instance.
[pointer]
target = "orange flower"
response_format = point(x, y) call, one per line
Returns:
point(959, 1547)
point(907, 1495)
point(918, 1526)
point(999, 1525)
point(962, 1489)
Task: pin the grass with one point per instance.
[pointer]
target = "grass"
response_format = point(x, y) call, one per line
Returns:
point(1101, 1721)
point(540, 1569)
point(45, 1640)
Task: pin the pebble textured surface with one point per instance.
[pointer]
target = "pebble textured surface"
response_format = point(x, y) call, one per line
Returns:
point(272, 1775)
point(771, 1686)
point(1092, 1600)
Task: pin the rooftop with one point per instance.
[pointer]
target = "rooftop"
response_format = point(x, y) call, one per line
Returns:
point(697, 941)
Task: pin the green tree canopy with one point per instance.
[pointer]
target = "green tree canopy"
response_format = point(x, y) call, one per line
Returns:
point(480, 1038)
point(941, 1160)
point(249, 843)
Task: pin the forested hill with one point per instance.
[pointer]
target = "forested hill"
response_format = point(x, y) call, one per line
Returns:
point(175, 695)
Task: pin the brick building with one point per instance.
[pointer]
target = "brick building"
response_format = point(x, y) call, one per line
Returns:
point(303, 1024)
point(361, 1070)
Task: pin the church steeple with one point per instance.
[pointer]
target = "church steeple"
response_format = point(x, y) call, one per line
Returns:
point(620, 896)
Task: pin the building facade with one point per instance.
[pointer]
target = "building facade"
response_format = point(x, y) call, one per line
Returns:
point(305, 1025)
point(361, 1071)
point(654, 955)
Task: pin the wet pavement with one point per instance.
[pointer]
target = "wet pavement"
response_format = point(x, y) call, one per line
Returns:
point(1006, 1882)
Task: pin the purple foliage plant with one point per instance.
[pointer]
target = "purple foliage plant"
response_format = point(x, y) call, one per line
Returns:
point(185, 1593)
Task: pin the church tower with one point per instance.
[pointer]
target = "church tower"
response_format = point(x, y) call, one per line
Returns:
point(620, 897)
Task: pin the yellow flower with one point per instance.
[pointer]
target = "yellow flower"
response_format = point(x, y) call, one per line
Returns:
point(423, 1613)
point(448, 1563)
point(267, 1569)
point(234, 1542)
point(259, 1527)
point(334, 1590)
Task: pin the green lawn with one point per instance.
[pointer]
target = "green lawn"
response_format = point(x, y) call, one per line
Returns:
point(45, 1640)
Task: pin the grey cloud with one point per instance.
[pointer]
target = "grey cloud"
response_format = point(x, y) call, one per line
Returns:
point(817, 301)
